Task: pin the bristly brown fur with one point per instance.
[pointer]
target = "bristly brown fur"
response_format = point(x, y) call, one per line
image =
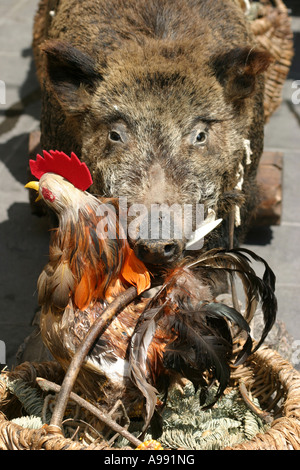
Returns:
point(156, 73)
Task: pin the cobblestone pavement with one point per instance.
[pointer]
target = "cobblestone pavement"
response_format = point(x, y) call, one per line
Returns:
point(24, 238)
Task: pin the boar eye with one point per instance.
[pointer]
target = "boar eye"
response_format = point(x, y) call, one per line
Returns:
point(201, 137)
point(115, 136)
point(118, 133)
point(198, 137)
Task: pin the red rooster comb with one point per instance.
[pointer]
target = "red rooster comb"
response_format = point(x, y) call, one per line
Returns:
point(70, 168)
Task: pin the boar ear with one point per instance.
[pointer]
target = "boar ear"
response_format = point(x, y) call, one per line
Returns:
point(71, 73)
point(237, 70)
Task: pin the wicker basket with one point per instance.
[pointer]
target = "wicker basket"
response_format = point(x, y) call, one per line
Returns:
point(15, 437)
point(266, 375)
point(271, 25)
point(276, 384)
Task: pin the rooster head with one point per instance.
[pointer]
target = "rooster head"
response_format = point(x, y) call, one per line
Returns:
point(61, 179)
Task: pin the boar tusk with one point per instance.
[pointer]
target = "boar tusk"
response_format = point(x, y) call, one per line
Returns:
point(209, 224)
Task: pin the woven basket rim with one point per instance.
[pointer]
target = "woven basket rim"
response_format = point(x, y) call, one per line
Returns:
point(284, 433)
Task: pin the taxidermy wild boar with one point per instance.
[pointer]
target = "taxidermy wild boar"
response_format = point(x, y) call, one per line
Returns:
point(161, 99)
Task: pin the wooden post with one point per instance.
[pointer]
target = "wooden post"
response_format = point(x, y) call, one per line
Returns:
point(269, 178)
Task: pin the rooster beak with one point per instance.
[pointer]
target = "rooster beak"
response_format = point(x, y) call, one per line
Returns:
point(34, 185)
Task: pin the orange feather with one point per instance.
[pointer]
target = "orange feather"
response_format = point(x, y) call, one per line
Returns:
point(83, 293)
point(135, 272)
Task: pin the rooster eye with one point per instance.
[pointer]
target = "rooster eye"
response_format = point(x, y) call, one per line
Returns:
point(48, 195)
point(115, 136)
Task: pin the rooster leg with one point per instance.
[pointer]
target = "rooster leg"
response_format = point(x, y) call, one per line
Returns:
point(118, 404)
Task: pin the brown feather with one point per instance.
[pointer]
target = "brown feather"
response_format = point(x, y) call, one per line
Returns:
point(43, 284)
point(62, 283)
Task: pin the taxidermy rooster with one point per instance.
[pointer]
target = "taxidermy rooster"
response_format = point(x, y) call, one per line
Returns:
point(181, 332)
point(90, 263)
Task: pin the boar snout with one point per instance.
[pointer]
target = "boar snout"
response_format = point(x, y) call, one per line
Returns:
point(158, 252)
point(157, 235)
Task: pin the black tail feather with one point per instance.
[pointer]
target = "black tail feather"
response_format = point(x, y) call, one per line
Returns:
point(204, 344)
point(199, 336)
point(238, 261)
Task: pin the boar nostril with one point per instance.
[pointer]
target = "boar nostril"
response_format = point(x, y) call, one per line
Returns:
point(169, 249)
point(157, 252)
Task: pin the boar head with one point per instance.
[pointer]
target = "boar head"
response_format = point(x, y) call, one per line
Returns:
point(160, 124)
